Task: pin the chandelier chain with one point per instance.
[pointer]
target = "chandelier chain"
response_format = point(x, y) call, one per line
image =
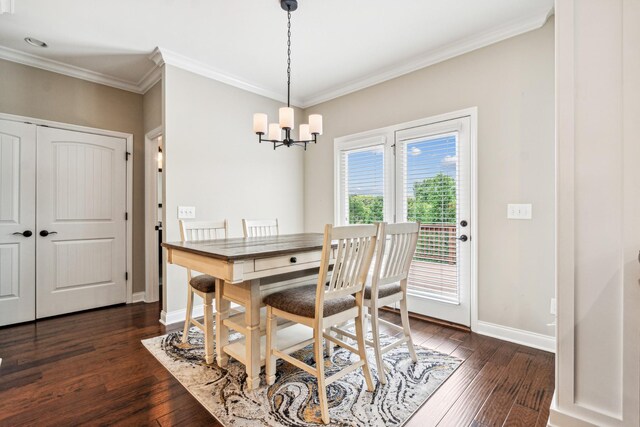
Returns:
point(288, 58)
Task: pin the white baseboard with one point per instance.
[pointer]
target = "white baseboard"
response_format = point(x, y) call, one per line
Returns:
point(178, 316)
point(137, 297)
point(518, 336)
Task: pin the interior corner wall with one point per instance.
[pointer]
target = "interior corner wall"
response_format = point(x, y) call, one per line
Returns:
point(32, 92)
point(512, 84)
point(214, 162)
point(152, 108)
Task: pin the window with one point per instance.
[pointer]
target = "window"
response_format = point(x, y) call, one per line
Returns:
point(362, 180)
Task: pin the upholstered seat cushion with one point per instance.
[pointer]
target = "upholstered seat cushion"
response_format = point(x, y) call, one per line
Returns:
point(383, 291)
point(302, 302)
point(204, 283)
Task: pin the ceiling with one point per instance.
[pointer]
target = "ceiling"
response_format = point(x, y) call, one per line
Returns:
point(337, 46)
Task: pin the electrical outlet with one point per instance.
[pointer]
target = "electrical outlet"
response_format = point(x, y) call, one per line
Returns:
point(521, 211)
point(186, 212)
point(553, 306)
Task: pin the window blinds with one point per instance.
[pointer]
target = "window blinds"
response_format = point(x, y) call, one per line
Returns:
point(362, 175)
point(429, 173)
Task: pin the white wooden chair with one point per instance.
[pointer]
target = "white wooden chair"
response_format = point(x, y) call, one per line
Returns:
point(203, 285)
point(388, 286)
point(260, 227)
point(321, 305)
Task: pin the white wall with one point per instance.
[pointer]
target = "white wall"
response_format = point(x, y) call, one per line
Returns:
point(598, 99)
point(213, 161)
point(512, 84)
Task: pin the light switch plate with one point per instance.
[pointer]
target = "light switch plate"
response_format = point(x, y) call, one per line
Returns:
point(186, 212)
point(519, 211)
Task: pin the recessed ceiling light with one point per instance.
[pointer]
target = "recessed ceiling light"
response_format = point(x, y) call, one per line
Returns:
point(35, 42)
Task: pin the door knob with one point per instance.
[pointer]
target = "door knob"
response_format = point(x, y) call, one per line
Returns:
point(463, 238)
point(45, 233)
point(26, 233)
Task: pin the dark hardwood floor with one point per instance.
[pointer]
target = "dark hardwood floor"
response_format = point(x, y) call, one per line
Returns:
point(91, 369)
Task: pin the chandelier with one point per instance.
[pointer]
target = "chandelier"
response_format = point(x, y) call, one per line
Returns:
point(307, 133)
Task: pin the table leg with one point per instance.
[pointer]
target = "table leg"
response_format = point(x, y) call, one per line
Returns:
point(252, 320)
point(222, 332)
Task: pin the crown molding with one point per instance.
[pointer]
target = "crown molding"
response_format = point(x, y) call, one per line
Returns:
point(180, 61)
point(161, 56)
point(432, 57)
point(141, 86)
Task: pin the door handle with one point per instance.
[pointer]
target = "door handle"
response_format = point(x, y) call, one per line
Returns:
point(26, 233)
point(463, 238)
point(45, 233)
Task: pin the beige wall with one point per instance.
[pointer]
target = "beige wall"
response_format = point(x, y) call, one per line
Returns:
point(152, 108)
point(40, 94)
point(213, 161)
point(512, 84)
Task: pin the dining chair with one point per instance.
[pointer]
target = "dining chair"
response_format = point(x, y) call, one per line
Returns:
point(202, 285)
point(388, 286)
point(328, 302)
point(260, 227)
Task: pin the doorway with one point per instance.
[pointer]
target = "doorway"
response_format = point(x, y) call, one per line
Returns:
point(154, 212)
point(419, 171)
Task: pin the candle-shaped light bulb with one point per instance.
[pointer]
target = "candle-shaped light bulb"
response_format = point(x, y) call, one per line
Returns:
point(274, 131)
point(315, 124)
point(286, 117)
point(303, 133)
point(260, 123)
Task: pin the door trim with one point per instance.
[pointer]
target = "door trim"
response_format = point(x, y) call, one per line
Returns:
point(388, 132)
point(129, 141)
point(151, 293)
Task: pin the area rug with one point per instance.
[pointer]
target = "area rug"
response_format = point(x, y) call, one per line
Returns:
point(292, 400)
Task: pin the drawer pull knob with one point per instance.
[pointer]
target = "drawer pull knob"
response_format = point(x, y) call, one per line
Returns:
point(293, 259)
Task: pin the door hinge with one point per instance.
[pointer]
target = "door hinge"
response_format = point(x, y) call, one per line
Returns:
point(126, 216)
point(394, 149)
point(126, 155)
point(126, 275)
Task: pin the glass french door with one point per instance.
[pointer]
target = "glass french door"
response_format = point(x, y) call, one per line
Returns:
point(432, 174)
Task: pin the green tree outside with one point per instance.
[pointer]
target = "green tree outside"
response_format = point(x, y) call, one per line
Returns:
point(434, 202)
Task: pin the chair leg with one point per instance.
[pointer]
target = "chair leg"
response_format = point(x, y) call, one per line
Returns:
point(187, 320)
point(375, 331)
point(404, 314)
point(362, 350)
point(208, 327)
point(272, 342)
point(365, 315)
point(322, 388)
point(328, 345)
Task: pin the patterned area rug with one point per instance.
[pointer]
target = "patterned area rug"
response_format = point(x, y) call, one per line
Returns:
point(292, 400)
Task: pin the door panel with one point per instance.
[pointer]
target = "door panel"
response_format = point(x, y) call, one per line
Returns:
point(81, 203)
point(17, 215)
point(433, 188)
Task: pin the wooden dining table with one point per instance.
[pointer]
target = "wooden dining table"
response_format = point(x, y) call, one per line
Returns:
point(247, 270)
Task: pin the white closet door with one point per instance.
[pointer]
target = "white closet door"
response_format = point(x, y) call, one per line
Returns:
point(17, 221)
point(81, 204)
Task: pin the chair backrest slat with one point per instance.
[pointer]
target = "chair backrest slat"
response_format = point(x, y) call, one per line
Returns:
point(397, 247)
point(355, 248)
point(203, 230)
point(260, 227)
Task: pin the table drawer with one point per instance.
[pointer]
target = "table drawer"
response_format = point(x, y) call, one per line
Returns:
point(287, 260)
